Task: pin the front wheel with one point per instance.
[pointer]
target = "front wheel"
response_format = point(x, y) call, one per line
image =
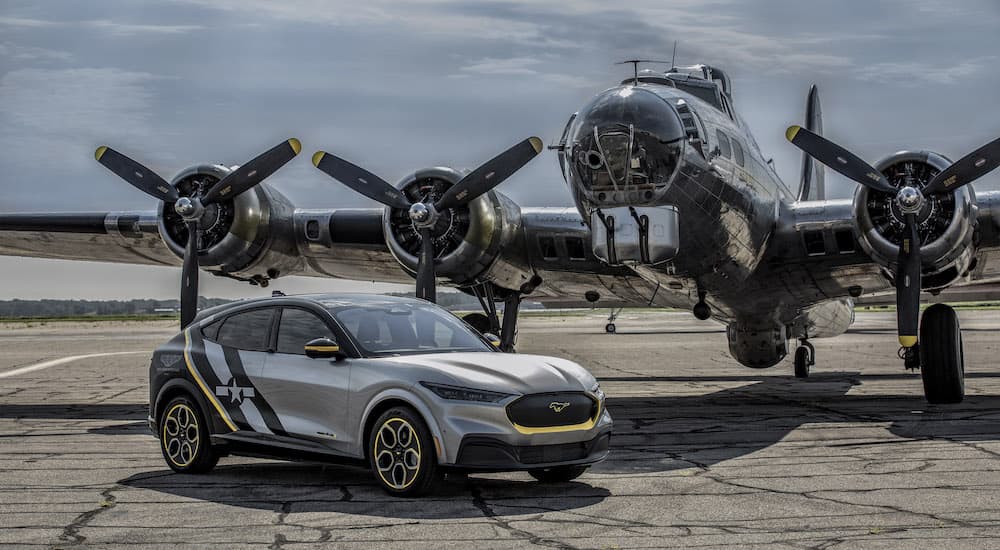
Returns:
point(401, 453)
point(802, 362)
point(558, 474)
point(942, 361)
point(184, 439)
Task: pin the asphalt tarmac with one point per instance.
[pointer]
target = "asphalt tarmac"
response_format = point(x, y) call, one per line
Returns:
point(705, 453)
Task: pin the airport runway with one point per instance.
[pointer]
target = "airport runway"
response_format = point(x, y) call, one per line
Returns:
point(705, 453)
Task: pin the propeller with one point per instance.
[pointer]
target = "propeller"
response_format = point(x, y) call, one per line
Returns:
point(191, 208)
point(424, 215)
point(910, 200)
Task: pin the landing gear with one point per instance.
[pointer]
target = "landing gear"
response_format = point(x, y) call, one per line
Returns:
point(942, 358)
point(805, 357)
point(610, 328)
point(490, 321)
point(701, 310)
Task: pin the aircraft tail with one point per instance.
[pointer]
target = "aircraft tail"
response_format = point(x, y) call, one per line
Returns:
point(812, 186)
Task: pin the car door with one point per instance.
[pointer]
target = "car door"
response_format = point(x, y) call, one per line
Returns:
point(235, 353)
point(310, 396)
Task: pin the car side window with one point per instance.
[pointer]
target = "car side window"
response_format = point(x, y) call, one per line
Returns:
point(738, 152)
point(725, 149)
point(212, 331)
point(247, 331)
point(298, 327)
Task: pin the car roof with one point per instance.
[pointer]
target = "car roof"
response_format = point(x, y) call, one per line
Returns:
point(330, 301)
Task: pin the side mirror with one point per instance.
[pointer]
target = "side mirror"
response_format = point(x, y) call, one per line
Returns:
point(323, 348)
point(493, 339)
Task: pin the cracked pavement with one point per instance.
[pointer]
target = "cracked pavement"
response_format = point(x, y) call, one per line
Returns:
point(705, 453)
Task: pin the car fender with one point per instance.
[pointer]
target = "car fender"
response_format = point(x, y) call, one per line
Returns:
point(206, 408)
point(415, 401)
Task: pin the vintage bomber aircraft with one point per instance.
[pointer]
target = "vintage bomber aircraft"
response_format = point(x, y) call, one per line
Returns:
point(674, 206)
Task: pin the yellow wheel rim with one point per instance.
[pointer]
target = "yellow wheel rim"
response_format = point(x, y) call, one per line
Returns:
point(397, 453)
point(180, 435)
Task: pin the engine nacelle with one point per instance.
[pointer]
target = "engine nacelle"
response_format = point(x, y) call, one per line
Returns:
point(947, 222)
point(757, 346)
point(248, 236)
point(475, 242)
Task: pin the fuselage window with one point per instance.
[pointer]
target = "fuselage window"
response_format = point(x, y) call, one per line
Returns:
point(297, 328)
point(548, 248)
point(575, 249)
point(247, 331)
point(725, 149)
point(738, 152)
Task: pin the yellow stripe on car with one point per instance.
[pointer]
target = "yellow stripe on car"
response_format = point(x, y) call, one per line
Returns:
point(201, 383)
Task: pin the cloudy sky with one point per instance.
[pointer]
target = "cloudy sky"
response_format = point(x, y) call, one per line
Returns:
point(395, 85)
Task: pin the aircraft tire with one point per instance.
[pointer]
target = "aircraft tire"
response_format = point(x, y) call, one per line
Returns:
point(802, 362)
point(942, 358)
point(610, 328)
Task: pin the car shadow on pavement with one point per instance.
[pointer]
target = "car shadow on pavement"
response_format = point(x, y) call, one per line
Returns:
point(305, 487)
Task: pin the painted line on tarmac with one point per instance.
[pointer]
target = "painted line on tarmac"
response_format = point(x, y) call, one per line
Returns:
point(62, 361)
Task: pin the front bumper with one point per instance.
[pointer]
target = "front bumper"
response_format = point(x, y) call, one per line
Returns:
point(487, 453)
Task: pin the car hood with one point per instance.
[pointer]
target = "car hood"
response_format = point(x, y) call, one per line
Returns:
point(503, 372)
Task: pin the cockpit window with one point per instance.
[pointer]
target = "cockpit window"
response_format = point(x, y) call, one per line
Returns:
point(406, 329)
point(725, 149)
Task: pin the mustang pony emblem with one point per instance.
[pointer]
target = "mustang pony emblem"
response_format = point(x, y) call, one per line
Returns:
point(558, 406)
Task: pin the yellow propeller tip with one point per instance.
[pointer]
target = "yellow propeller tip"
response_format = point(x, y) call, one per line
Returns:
point(295, 144)
point(791, 132)
point(317, 157)
point(907, 341)
point(100, 152)
point(536, 143)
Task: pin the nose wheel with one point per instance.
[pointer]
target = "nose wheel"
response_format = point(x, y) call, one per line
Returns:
point(805, 357)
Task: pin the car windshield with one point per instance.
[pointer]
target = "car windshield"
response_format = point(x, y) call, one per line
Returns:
point(407, 328)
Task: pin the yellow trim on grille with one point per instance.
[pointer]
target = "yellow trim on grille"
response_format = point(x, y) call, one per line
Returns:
point(201, 383)
point(556, 429)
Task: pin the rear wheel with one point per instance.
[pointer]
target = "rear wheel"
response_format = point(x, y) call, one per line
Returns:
point(942, 361)
point(610, 328)
point(401, 453)
point(801, 362)
point(184, 438)
point(558, 474)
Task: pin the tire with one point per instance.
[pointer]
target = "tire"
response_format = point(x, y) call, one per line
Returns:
point(558, 474)
point(610, 328)
point(185, 440)
point(408, 468)
point(802, 362)
point(942, 358)
point(478, 321)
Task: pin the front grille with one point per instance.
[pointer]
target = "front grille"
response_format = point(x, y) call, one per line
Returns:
point(543, 410)
point(485, 452)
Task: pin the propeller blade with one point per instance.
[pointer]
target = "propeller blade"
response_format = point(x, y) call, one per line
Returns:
point(426, 282)
point(139, 176)
point(908, 284)
point(490, 175)
point(360, 180)
point(253, 172)
point(966, 169)
point(189, 275)
point(839, 159)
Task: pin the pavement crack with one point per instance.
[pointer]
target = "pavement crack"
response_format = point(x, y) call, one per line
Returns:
point(479, 502)
point(71, 533)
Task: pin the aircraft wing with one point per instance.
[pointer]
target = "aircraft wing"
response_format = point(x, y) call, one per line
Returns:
point(120, 237)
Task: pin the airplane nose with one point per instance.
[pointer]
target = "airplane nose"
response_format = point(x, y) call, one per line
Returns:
point(625, 147)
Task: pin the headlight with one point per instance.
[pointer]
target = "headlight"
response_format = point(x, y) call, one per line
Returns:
point(464, 394)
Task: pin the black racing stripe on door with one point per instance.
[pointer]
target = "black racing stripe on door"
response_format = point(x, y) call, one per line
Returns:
point(212, 381)
point(240, 373)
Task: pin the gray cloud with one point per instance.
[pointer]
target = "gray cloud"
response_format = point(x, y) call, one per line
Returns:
point(396, 85)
